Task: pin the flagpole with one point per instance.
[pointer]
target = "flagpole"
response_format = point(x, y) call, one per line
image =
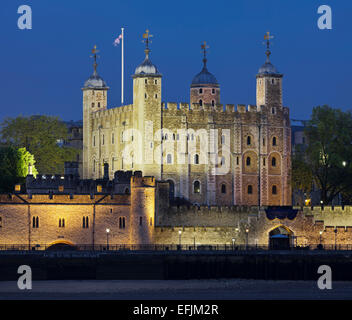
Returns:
point(122, 65)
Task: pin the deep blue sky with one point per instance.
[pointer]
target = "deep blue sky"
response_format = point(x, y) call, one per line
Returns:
point(43, 69)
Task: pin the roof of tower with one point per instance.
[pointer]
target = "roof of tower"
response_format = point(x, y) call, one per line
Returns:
point(147, 67)
point(204, 77)
point(268, 68)
point(95, 81)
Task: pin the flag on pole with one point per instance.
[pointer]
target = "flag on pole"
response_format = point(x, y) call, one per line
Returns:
point(117, 40)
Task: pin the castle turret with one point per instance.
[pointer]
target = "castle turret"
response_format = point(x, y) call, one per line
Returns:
point(205, 88)
point(146, 113)
point(94, 100)
point(142, 213)
point(269, 82)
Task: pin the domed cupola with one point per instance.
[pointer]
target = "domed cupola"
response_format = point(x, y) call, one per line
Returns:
point(95, 81)
point(205, 88)
point(146, 68)
point(269, 81)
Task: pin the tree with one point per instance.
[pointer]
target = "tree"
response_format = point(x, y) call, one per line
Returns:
point(14, 167)
point(40, 135)
point(327, 156)
point(301, 172)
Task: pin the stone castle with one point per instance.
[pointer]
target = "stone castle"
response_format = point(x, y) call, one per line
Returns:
point(228, 165)
point(209, 153)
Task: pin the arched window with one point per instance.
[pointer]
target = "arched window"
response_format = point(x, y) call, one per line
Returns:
point(274, 190)
point(248, 161)
point(213, 91)
point(165, 137)
point(196, 187)
point(169, 158)
point(249, 141)
point(92, 104)
point(196, 159)
point(274, 141)
point(222, 162)
point(250, 189)
point(200, 90)
point(213, 103)
point(200, 102)
point(273, 162)
point(98, 104)
point(223, 188)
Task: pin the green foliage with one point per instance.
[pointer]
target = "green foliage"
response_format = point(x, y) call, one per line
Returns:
point(40, 136)
point(329, 152)
point(14, 167)
point(302, 177)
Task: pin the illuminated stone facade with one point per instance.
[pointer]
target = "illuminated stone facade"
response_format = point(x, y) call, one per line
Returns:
point(145, 216)
point(210, 153)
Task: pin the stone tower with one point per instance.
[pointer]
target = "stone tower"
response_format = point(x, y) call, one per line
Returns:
point(147, 116)
point(95, 94)
point(142, 211)
point(269, 83)
point(205, 88)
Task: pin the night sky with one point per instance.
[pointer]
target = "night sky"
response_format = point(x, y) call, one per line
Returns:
point(43, 69)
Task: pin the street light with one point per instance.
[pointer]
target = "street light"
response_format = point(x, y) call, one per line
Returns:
point(233, 243)
point(107, 238)
point(247, 231)
point(321, 232)
point(344, 163)
point(179, 237)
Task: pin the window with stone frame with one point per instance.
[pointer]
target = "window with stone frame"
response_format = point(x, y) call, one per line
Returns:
point(249, 189)
point(196, 187)
point(223, 188)
point(274, 190)
point(248, 161)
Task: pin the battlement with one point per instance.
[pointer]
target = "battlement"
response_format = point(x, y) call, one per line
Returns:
point(183, 107)
point(122, 199)
point(112, 111)
point(137, 180)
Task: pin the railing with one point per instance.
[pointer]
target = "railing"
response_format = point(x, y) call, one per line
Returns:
point(169, 247)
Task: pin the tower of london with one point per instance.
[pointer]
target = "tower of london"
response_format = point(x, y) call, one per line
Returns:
point(209, 153)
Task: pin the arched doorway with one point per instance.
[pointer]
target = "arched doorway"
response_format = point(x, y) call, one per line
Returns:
point(171, 190)
point(280, 238)
point(61, 245)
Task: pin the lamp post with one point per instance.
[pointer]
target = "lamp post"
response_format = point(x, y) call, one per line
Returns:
point(107, 238)
point(179, 238)
point(321, 232)
point(233, 243)
point(247, 231)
